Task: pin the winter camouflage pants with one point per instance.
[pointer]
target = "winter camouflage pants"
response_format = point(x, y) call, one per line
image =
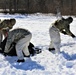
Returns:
point(22, 46)
point(55, 39)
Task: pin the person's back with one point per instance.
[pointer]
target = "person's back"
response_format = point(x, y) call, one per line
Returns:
point(63, 26)
point(15, 35)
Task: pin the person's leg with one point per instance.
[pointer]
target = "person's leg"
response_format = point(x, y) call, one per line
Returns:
point(22, 47)
point(57, 47)
point(26, 44)
point(56, 42)
point(19, 52)
point(25, 50)
point(55, 38)
point(51, 46)
point(52, 36)
point(19, 49)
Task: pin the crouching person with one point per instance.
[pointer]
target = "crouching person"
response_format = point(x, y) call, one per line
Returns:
point(22, 39)
point(32, 49)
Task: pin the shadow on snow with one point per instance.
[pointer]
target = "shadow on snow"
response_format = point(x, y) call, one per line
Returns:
point(27, 65)
point(67, 44)
point(69, 57)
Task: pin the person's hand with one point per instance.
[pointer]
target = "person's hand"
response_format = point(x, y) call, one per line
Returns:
point(64, 32)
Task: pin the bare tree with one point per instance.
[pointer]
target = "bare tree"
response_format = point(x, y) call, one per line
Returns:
point(10, 6)
point(71, 6)
point(57, 7)
point(5, 5)
point(15, 2)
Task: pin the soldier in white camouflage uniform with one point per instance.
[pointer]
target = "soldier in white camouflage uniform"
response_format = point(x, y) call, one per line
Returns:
point(59, 26)
point(5, 26)
point(22, 39)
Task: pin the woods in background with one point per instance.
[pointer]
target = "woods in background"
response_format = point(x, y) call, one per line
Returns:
point(66, 7)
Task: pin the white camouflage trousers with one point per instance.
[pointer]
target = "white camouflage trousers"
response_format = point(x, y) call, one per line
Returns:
point(22, 47)
point(55, 39)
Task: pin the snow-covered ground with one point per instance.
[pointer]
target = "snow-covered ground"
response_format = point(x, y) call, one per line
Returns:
point(45, 63)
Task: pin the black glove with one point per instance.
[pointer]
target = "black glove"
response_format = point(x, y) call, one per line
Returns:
point(73, 36)
point(64, 32)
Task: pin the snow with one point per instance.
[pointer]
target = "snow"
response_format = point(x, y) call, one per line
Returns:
point(45, 63)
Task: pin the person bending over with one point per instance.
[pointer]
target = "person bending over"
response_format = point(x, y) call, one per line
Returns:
point(62, 26)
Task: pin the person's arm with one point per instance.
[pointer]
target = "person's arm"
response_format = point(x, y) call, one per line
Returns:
point(7, 46)
point(63, 32)
point(8, 43)
point(67, 30)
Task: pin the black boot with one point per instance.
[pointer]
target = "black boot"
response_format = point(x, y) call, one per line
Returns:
point(51, 49)
point(21, 60)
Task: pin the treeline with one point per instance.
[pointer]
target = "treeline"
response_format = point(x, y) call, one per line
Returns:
point(66, 7)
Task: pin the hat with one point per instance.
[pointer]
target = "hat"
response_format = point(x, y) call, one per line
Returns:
point(70, 19)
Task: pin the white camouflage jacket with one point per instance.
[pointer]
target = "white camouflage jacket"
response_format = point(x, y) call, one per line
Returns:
point(14, 36)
